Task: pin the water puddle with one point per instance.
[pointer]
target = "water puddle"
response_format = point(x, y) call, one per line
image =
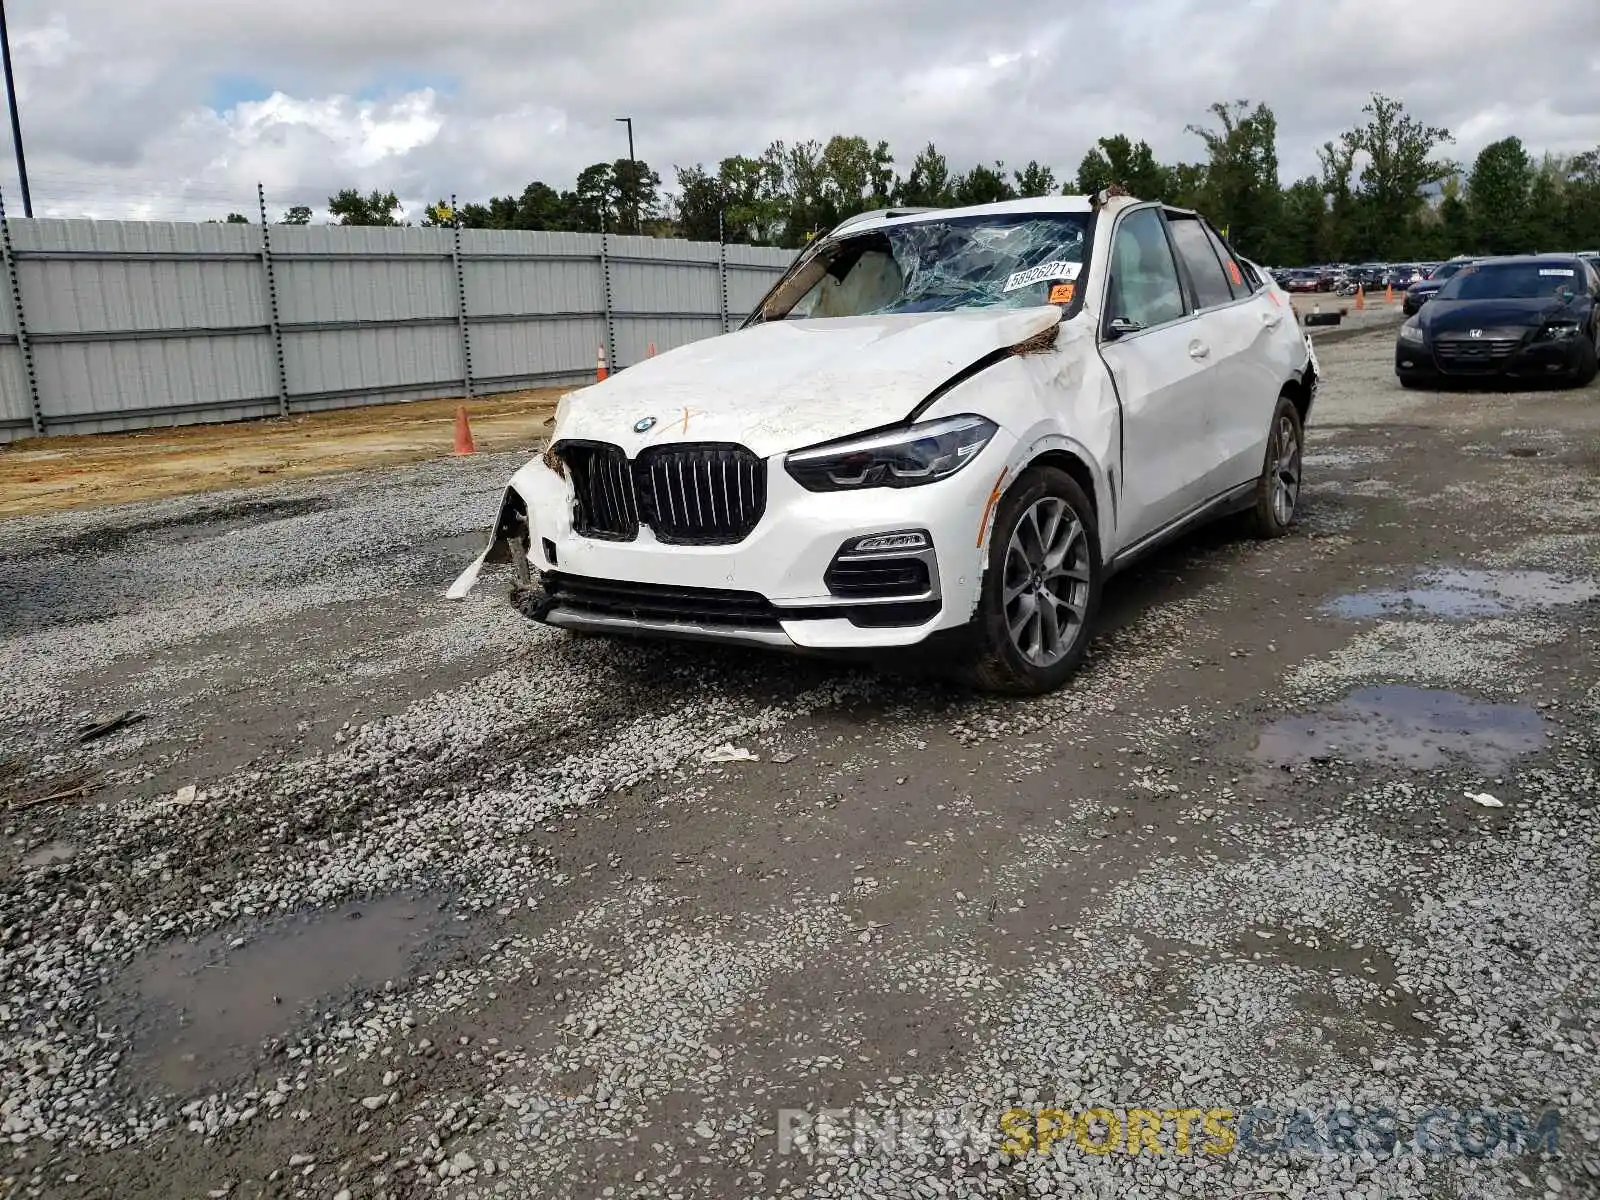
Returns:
point(1415, 727)
point(50, 854)
point(1462, 593)
point(204, 1007)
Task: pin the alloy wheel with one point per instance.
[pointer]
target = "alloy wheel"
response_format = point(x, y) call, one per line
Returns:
point(1046, 581)
point(1286, 471)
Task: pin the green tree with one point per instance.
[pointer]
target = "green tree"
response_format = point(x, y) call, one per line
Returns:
point(1398, 153)
point(856, 177)
point(350, 207)
point(700, 204)
point(300, 214)
point(928, 185)
point(752, 189)
point(236, 219)
point(1303, 223)
point(1128, 164)
point(1580, 201)
point(982, 185)
point(1497, 196)
point(1242, 193)
point(1035, 180)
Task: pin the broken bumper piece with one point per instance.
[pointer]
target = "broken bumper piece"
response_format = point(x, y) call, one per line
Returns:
point(508, 543)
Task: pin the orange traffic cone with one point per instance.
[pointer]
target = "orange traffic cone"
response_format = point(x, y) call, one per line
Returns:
point(1388, 294)
point(463, 432)
point(1361, 297)
point(600, 371)
point(652, 352)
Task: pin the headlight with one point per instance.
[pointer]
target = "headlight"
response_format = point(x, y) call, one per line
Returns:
point(1559, 332)
point(895, 458)
point(1411, 332)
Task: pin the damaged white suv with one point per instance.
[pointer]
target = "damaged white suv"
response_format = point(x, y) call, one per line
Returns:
point(940, 428)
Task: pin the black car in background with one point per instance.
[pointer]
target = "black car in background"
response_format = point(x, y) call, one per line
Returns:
point(1528, 317)
point(1423, 290)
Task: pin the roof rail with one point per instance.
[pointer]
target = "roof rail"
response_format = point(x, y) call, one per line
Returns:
point(882, 212)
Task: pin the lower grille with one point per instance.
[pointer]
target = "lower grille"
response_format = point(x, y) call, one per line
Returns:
point(871, 577)
point(1476, 354)
point(701, 495)
point(655, 602)
point(604, 501)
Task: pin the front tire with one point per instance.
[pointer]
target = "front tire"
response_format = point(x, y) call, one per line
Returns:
point(1588, 366)
point(1278, 488)
point(1041, 587)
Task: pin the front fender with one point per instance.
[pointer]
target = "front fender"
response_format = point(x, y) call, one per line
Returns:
point(1055, 401)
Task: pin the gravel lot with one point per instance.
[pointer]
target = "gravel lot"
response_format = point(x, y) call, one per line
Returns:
point(385, 896)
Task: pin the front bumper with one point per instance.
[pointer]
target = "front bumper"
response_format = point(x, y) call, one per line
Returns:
point(1524, 361)
point(772, 588)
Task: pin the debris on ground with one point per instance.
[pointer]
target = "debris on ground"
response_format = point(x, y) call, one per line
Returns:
point(100, 729)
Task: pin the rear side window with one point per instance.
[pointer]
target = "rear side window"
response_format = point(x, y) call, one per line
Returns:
point(1205, 269)
point(1241, 275)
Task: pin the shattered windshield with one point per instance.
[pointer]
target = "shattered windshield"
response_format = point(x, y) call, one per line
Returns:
point(1012, 261)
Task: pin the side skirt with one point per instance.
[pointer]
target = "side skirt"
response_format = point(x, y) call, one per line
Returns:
point(1234, 500)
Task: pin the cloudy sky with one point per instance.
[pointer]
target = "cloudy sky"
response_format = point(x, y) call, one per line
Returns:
point(175, 108)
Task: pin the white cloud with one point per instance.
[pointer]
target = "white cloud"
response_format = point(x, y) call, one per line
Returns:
point(125, 112)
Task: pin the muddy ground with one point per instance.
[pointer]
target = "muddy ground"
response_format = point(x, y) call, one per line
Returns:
point(39, 475)
point(385, 896)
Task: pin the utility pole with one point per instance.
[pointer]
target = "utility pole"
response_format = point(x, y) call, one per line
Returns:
point(16, 121)
point(633, 170)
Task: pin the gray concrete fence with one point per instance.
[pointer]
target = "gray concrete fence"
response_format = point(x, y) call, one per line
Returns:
point(113, 325)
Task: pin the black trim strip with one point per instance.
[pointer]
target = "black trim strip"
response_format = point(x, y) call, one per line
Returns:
point(1195, 516)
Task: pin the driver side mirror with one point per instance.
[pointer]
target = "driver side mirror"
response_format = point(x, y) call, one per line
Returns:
point(1121, 326)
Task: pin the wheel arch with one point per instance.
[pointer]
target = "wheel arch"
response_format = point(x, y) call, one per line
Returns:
point(1302, 389)
point(1085, 469)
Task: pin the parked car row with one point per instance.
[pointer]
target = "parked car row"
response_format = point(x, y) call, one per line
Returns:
point(1345, 278)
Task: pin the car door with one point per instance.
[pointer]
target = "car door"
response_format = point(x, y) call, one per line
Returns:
point(1150, 345)
point(1249, 353)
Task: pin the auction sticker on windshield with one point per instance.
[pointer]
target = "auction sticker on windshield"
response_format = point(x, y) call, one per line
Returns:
point(1060, 293)
point(1059, 269)
point(1567, 271)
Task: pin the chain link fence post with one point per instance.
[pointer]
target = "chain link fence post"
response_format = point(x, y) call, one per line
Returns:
point(605, 282)
point(722, 265)
point(14, 293)
point(272, 303)
point(462, 324)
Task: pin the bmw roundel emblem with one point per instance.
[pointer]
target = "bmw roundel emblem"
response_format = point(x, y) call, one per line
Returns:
point(644, 424)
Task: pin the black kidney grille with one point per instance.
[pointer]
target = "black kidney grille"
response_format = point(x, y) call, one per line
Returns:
point(689, 495)
point(604, 500)
point(701, 495)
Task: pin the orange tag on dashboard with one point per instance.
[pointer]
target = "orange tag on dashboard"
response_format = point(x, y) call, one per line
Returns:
point(1233, 273)
point(1060, 293)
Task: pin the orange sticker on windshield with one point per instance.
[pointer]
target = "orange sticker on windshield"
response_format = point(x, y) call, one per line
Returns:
point(1233, 273)
point(1061, 293)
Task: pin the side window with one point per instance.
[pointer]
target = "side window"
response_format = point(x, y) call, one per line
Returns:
point(1205, 270)
point(1144, 278)
point(1241, 275)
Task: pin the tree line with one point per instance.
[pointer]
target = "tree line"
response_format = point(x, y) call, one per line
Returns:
point(1386, 189)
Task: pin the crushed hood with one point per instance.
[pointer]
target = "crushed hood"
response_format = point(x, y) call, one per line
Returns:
point(783, 385)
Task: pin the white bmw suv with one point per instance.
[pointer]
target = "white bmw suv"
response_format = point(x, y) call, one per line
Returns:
point(940, 426)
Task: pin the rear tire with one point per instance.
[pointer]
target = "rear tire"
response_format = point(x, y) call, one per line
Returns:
point(1278, 488)
point(1041, 587)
